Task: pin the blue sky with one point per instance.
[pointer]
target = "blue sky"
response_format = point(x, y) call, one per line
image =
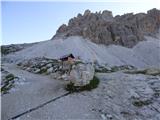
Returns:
point(26, 22)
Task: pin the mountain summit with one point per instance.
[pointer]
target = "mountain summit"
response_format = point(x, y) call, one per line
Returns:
point(102, 28)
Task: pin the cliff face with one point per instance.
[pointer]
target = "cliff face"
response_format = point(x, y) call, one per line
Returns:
point(102, 28)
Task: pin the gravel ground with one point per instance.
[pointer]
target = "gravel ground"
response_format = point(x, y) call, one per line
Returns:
point(37, 90)
point(119, 96)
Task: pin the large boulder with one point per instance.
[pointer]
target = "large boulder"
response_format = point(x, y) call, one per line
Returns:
point(81, 74)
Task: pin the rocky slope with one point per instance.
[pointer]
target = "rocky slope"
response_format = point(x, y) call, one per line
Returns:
point(7, 49)
point(102, 28)
point(119, 96)
point(145, 53)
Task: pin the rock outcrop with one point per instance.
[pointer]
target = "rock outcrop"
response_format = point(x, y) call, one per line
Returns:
point(7, 49)
point(8, 81)
point(78, 73)
point(102, 28)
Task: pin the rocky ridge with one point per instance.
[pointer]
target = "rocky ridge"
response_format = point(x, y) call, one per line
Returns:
point(7, 49)
point(102, 28)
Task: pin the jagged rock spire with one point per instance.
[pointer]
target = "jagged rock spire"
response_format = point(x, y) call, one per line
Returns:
point(102, 28)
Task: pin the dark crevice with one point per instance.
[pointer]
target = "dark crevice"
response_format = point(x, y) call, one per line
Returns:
point(40, 106)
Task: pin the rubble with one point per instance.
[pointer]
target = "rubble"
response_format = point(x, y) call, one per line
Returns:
point(76, 72)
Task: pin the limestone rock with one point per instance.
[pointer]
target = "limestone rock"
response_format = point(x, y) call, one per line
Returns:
point(81, 74)
point(55, 75)
point(49, 65)
point(62, 28)
point(107, 15)
point(102, 28)
point(37, 71)
point(87, 12)
point(50, 70)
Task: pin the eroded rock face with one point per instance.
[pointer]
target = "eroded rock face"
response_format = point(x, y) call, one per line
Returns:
point(102, 28)
point(107, 15)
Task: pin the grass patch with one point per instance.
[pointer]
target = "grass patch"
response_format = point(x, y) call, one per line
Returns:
point(78, 62)
point(42, 71)
point(92, 85)
point(123, 67)
point(8, 83)
point(136, 72)
point(115, 69)
point(102, 70)
point(145, 72)
point(4, 50)
point(140, 103)
point(10, 77)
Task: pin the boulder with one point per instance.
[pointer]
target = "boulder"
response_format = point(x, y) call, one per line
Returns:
point(50, 70)
point(37, 71)
point(64, 77)
point(49, 65)
point(55, 75)
point(81, 74)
